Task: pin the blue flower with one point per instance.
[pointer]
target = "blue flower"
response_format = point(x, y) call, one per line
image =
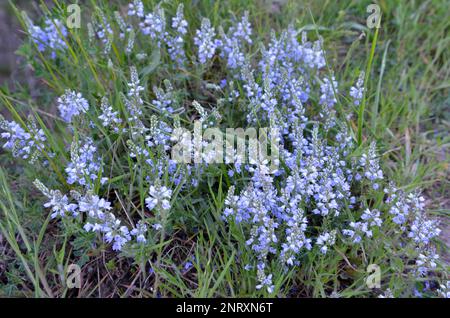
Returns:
point(329, 89)
point(51, 37)
point(326, 240)
point(164, 98)
point(139, 232)
point(23, 144)
point(154, 25)
point(109, 117)
point(357, 91)
point(205, 41)
point(175, 42)
point(94, 206)
point(136, 8)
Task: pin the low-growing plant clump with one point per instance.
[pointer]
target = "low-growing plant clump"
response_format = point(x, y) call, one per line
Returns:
point(133, 87)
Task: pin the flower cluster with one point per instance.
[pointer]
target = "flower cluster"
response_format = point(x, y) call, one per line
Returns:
point(423, 230)
point(154, 25)
point(104, 31)
point(231, 43)
point(426, 261)
point(133, 102)
point(295, 231)
point(168, 34)
point(58, 202)
point(357, 91)
point(175, 42)
point(371, 166)
point(109, 117)
point(328, 89)
point(159, 197)
point(408, 211)
point(164, 98)
point(98, 216)
point(136, 8)
point(102, 221)
point(205, 41)
point(317, 178)
point(387, 294)
point(370, 219)
point(444, 290)
point(326, 240)
point(140, 232)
